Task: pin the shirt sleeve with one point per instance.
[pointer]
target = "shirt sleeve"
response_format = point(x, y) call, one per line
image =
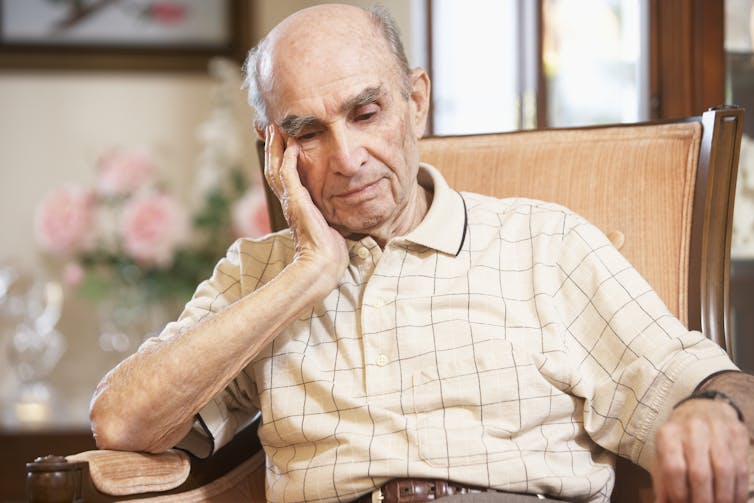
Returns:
point(634, 360)
point(232, 409)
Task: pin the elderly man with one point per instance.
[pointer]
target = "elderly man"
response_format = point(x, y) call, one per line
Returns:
point(401, 330)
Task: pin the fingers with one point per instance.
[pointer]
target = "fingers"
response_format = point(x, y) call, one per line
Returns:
point(669, 472)
point(698, 461)
point(740, 449)
point(289, 177)
point(280, 163)
point(701, 456)
point(729, 460)
point(723, 458)
point(273, 154)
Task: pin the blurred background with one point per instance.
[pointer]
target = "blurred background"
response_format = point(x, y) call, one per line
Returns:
point(128, 158)
point(94, 121)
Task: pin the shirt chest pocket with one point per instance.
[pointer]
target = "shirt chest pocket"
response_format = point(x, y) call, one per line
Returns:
point(468, 411)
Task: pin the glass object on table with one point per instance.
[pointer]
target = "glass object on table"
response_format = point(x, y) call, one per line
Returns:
point(8, 274)
point(30, 311)
point(127, 319)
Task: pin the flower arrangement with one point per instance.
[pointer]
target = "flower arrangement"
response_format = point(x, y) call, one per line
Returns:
point(128, 231)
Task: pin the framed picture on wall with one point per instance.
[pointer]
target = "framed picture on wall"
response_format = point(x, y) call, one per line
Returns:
point(121, 34)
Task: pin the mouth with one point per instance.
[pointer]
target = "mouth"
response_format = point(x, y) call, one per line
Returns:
point(365, 191)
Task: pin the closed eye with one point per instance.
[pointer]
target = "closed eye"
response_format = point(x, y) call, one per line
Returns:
point(365, 112)
point(365, 116)
point(307, 136)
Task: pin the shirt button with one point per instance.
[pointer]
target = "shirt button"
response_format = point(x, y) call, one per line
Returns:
point(363, 253)
point(381, 360)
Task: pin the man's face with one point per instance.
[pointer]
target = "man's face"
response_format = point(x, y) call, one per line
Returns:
point(345, 105)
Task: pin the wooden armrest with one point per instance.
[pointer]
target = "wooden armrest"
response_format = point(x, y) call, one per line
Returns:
point(121, 473)
point(234, 473)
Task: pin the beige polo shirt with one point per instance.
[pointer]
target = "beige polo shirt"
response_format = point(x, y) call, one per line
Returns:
point(502, 343)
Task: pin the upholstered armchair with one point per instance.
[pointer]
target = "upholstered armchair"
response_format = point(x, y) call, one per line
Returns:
point(662, 192)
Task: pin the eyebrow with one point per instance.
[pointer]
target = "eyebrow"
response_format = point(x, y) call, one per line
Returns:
point(294, 124)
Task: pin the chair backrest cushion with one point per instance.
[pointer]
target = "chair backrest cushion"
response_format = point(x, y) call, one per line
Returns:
point(636, 180)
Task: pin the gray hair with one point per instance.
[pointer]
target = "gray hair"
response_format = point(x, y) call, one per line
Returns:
point(383, 22)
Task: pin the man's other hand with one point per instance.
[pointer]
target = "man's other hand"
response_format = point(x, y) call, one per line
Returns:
point(702, 455)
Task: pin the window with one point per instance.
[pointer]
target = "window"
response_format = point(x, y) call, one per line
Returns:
point(595, 61)
point(495, 69)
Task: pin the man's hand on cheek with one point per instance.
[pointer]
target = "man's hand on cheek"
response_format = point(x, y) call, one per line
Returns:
point(316, 243)
point(701, 455)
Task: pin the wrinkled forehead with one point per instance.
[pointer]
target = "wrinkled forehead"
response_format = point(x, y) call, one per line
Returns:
point(301, 64)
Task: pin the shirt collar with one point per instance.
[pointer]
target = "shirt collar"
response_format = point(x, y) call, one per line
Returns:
point(444, 226)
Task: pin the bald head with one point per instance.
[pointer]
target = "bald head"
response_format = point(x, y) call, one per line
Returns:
point(317, 36)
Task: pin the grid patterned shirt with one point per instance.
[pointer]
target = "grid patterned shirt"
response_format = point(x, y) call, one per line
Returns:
point(501, 343)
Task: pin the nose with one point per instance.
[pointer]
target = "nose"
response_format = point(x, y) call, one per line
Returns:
point(347, 153)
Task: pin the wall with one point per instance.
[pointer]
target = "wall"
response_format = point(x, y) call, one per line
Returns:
point(53, 125)
point(52, 128)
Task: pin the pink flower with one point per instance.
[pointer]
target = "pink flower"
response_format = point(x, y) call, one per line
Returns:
point(121, 173)
point(250, 217)
point(63, 222)
point(152, 226)
point(73, 274)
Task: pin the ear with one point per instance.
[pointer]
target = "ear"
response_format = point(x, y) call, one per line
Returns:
point(420, 99)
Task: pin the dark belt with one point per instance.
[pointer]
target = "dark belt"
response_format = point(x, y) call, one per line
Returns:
point(418, 491)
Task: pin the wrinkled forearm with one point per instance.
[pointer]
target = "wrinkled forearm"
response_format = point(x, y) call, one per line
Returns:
point(149, 401)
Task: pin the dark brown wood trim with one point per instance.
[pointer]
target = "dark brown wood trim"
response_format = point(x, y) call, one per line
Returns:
point(542, 121)
point(654, 61)
point(711, 234)
point(709, 54)
point(687, 57)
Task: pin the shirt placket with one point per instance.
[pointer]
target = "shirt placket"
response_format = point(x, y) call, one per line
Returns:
point(378, 325)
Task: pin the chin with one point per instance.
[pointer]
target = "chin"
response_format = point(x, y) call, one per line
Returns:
point(364, 219)
point(364, 224)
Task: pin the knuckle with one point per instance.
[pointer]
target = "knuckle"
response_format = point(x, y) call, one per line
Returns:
point(740, 430)
point(725, 464)
point(666, 433)
point(723, 497)
point(742, 470)
point(699, 474)
point(673, 468)
point(269, 176)
point(697, 426)
point(662, 431)
point(269, 173)
point(745, 465)
point(676, 492)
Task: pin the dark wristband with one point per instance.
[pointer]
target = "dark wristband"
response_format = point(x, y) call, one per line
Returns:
point(712, 394)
